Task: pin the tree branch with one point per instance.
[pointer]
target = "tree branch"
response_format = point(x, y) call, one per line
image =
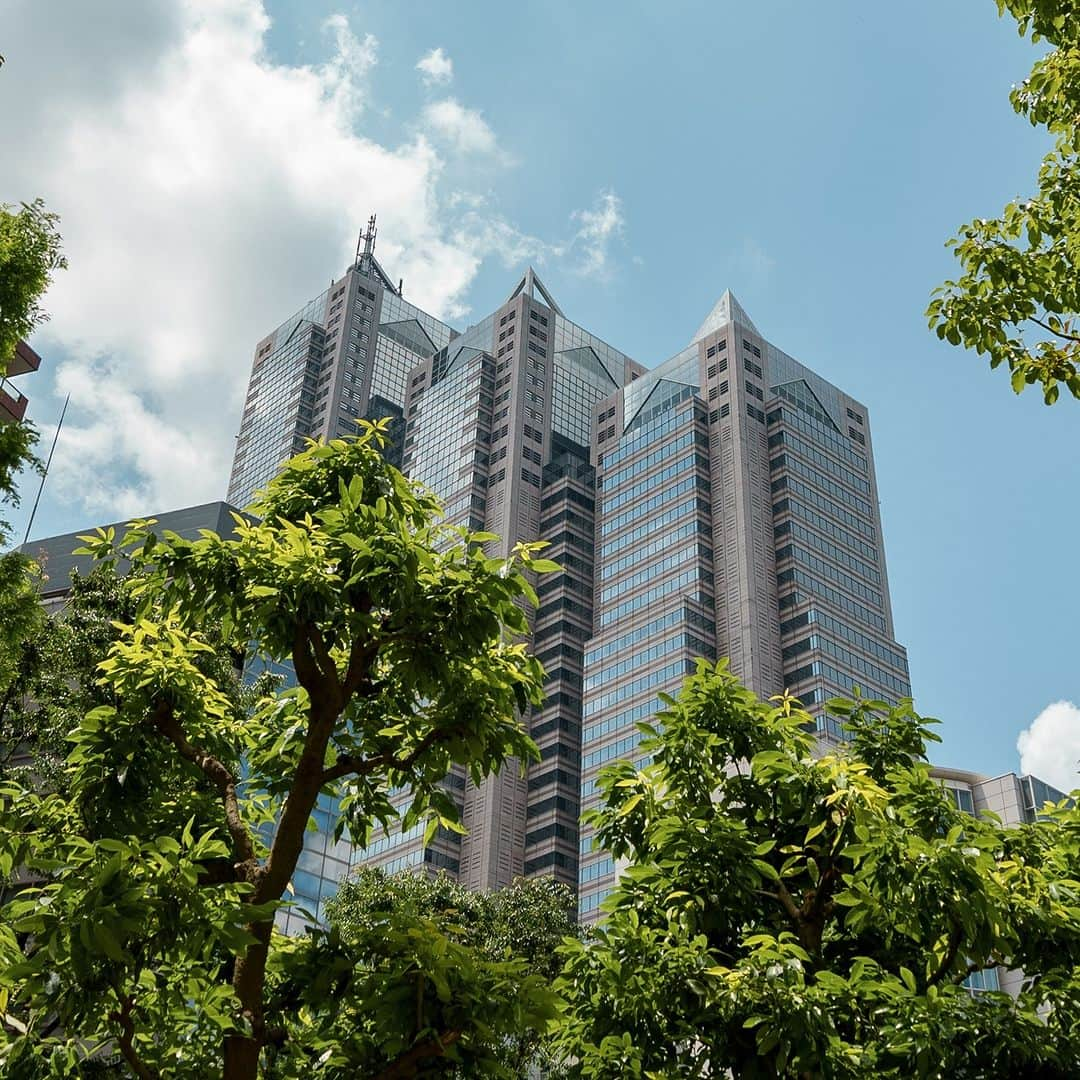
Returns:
point(956, 936)
point(220, 776)
point(322, 656)
point(126, 1039)
point(405, 1066)
point(1057, 333)
point(788, 903)
point(347, 765)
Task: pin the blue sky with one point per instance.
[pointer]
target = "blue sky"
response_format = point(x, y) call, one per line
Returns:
point(813, 158)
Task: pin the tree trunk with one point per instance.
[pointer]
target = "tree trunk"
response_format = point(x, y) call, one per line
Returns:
point(249, 975)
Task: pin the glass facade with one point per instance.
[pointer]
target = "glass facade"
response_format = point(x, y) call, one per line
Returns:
point(722, 503)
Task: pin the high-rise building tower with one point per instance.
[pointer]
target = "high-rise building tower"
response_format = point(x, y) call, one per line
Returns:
point(345, 354)
point(721, 504)
point(737, 515)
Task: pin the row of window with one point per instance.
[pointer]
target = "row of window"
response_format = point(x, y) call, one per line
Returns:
point(646, 656)
point(842, 679)
point(818, 590)
point(599, 868)
point(557, 723)
point(820, 566)
point(884, 678)
point(833, 446)
point(617, 749)
point(684, 614)
point(553, 776)
point(817, 431)
point(591, 901)
point(661, 521)
point(811, 454)
point(657, 569)
point(550, 859)
point(815, 477)
point(556, 803)
point(652, 678)
point(653, 431)
point(646, 506)
point(815, 498)
point(645, 710)
point(637, 490)
point(814, 617)
point(612, 480)
point(824, 525)
point(569, 494)
point(639, 555)
point(695, 576)
point(824, 546)
point(554, 831)
point(712, 350)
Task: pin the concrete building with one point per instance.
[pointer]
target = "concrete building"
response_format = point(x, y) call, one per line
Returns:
point(1014, 800)
point(723, 503)
point(12, 401)
point(345, 354)
point(738, 517)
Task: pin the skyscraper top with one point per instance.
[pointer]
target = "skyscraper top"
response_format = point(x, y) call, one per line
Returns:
point(531, 285)
point(727, 310)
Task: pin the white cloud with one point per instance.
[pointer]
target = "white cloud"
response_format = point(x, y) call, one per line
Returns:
point(1050, 747)
point(465, 130)
point(597, 228)
point(206, 191)
point(436, 68)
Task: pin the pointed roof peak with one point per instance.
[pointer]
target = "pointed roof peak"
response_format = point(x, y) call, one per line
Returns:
point(531, 285)
point(726, 310)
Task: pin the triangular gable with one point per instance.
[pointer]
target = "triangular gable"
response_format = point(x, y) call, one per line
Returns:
point(726, 310)
point(411, 334)
point(530, 284)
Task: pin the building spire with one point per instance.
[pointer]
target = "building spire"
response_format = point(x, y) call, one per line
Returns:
point(365, 245)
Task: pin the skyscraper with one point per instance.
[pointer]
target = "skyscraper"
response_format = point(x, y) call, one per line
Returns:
point(345, 354)
point(737, 516)
point(723, 503)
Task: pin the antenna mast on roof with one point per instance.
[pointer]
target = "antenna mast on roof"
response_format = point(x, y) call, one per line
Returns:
point(45, 471)
point(363, 257)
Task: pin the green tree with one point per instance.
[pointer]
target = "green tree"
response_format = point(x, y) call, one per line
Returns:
point(783, 914)
point(29, 255)
point(1018, 297)
point(154, 929)
point(426, 978)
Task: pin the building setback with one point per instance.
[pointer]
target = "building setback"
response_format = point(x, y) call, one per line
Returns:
point(723, 503)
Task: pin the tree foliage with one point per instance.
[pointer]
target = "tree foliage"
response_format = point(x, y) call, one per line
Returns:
point(420, 977)
point(151, 926)
point(30, 254)
point(1017, 300)
point(783, 914)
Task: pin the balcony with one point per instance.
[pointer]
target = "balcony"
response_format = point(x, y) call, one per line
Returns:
point(12, 403)
point(24, 360)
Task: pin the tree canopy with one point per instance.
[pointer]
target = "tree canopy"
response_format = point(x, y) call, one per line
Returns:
point(786, 914)
point(30, 253)
point(433, 979)
point(1018, 297)
point(163, 855)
